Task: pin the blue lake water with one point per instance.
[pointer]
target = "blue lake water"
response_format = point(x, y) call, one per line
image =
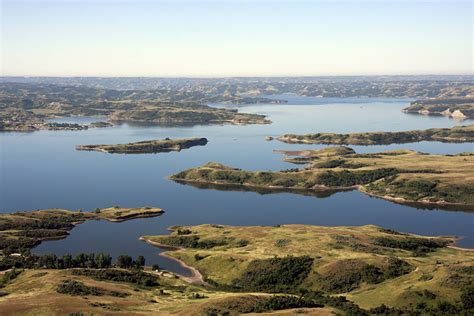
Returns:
point(43, 170)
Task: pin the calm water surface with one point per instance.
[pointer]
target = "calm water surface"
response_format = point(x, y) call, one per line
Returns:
point(43, 170)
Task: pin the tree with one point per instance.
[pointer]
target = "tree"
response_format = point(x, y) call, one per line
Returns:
point(68, 262)
point(124, 261)
point(48, 261)
point(90, 262)
point(140, 262)
point(103, 260)
point(80, 260)
point(155, 267)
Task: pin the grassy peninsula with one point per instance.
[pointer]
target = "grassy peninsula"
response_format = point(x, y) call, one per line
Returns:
point(457, 134)
point(458, 108)
point(369, 265)
point(284, 269)
point(403, 176)
point(148, 146)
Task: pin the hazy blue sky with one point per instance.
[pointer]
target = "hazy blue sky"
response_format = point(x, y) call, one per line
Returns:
point(235, 38)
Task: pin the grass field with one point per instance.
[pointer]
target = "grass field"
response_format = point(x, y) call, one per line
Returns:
point(338, 254)
point(34, 293)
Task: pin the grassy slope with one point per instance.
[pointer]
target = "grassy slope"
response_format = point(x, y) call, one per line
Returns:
point(403, 175)
point(34, 293)
point(229, 262)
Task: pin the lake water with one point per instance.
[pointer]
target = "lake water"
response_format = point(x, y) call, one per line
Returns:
point(43, 170)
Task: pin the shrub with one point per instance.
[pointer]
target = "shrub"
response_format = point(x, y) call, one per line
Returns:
point(282, 242)
point(198, 257)
point(9, 276)
point(243, 242)
point(137, 277)
point(72, 287)
point(397, 267)
point(184, 231)
point(192, 242)
point(419, 246)
point(346, 275)
point(347, 178)
point(467, 297)
point(275, 275)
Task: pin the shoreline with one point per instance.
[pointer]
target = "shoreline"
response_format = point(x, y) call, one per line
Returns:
point(90, 216)
point(133, 216)
point(152, 146)
point(323, 188)
point(403, 201)
point(196, 276)
point(459, 248)
point(456, 134)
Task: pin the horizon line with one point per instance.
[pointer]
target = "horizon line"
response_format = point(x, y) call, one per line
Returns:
point(246, 76)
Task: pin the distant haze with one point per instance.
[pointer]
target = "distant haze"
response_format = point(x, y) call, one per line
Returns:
point(235, 38)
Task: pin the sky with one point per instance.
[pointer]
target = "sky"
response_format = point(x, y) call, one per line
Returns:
point(193, 38)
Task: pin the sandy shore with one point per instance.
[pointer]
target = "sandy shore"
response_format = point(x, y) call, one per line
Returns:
point(195, 278)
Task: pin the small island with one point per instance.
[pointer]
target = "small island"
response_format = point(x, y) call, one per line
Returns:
point(148, 146)
point(100, 124)
point(457, 134)
point(120, 214)
point(402, 176)
point(362, 263)
point(459, 108)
